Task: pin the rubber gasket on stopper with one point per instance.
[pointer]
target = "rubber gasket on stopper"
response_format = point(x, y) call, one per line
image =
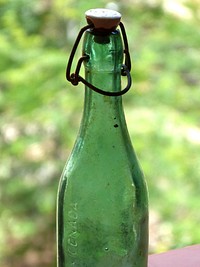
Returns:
point(103, 18)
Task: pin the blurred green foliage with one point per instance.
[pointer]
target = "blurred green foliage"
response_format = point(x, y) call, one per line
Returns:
point(40, 116)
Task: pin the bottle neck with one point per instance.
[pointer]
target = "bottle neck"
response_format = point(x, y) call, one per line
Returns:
point(103, 70)
point(102, 111)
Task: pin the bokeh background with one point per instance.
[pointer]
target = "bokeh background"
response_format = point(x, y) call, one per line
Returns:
point(41, 112)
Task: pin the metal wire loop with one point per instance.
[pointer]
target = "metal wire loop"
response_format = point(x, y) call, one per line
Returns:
point(71, 77)
point(75, 78)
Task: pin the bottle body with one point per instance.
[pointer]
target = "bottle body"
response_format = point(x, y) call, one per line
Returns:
point(102, 198)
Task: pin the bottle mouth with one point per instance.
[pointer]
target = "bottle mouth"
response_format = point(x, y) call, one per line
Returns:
point(103, 19)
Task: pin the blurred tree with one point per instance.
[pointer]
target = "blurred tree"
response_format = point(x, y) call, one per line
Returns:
point(39, 119)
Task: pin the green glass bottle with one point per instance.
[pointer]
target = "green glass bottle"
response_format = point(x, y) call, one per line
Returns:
point(102, 210)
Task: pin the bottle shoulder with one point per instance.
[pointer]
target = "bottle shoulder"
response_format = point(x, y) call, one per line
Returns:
point(103, 156)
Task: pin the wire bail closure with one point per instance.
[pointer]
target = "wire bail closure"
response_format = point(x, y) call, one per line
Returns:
point(75, 78)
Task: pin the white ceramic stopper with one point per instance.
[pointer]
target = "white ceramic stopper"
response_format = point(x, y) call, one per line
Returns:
point(103, 18)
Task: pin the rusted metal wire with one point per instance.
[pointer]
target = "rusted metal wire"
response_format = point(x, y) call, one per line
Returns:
point(126, 48)
point(72, 77)
point(75, 78)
